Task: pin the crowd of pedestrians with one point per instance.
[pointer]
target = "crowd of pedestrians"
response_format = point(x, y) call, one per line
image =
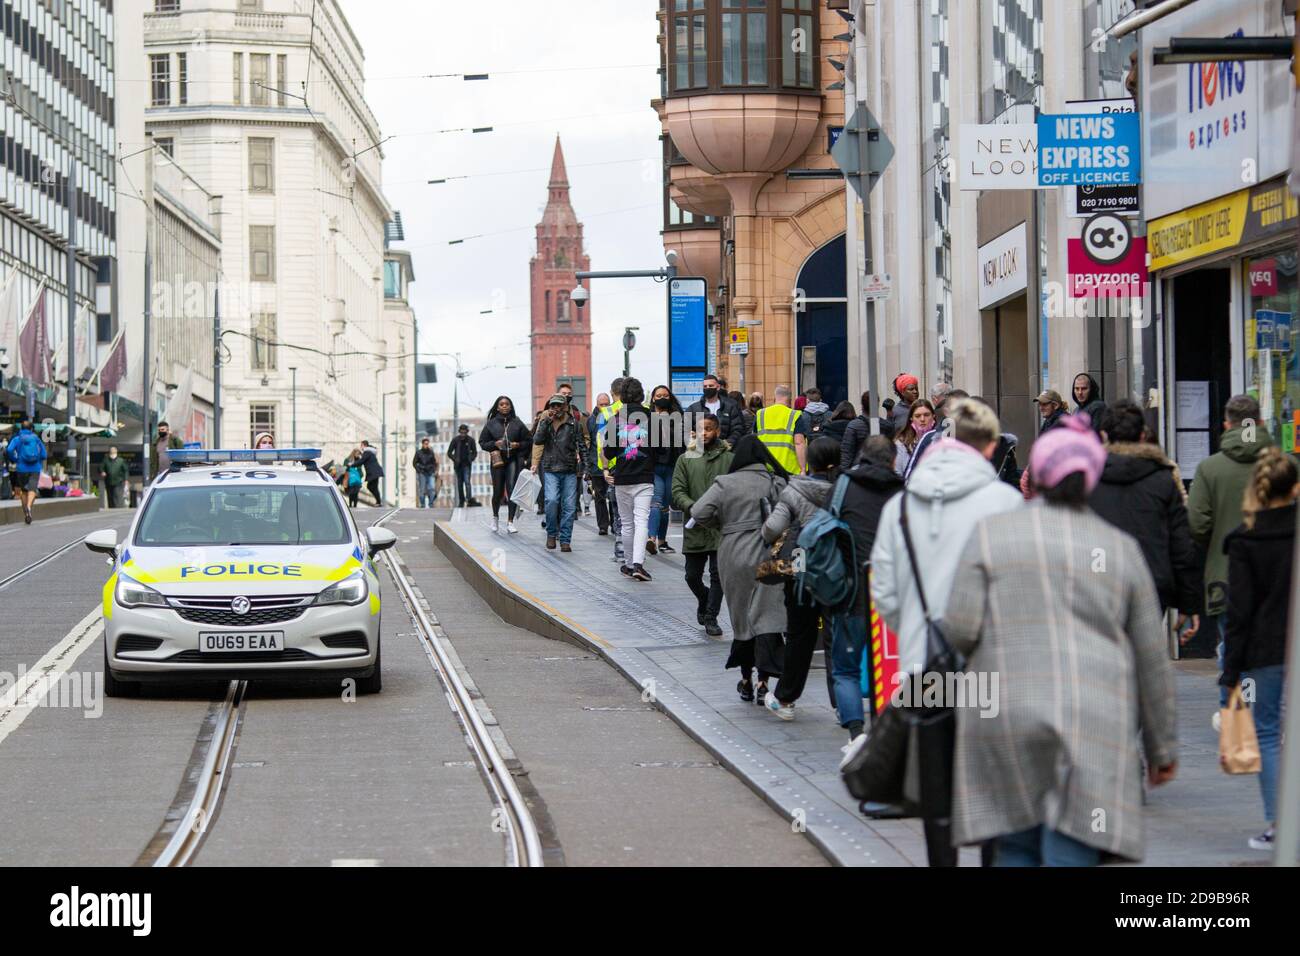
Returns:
point(1061, 578)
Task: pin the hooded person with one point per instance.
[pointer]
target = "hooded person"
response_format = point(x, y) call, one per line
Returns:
point(1082, 667)
point(817, 412)
point(734, 504)
point(1087, 399)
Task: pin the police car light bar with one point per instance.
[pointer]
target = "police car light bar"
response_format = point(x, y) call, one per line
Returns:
point(216, 456)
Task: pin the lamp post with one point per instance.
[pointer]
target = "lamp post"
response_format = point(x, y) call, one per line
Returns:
point(293, 404)
point(383, 436)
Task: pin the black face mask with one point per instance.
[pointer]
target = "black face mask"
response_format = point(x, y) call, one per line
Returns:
point(663, 403)
point(710, 393)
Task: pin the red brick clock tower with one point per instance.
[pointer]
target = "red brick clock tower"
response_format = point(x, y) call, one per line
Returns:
point(561, 332)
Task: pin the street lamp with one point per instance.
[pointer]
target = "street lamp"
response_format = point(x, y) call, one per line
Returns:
point(383, 434)
point(293, 403)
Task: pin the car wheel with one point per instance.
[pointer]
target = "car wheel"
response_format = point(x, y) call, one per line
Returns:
point(375, 682)
point(114, 687)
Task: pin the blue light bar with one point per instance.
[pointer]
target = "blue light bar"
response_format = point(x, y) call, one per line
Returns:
point(215, 456)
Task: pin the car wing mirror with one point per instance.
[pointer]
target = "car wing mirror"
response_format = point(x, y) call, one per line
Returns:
point(380, 539)
point(103, 542)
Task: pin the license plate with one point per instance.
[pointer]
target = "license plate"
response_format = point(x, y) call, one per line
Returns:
point(222, 642)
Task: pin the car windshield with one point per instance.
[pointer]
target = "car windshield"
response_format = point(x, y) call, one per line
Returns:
point(284, 514)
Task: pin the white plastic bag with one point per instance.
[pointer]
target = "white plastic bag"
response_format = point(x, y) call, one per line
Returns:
point(524, 493)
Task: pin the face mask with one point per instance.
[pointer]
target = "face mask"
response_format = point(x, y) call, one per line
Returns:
point(663, 403)
point(710, 393)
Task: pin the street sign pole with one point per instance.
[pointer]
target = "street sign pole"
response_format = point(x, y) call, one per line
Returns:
point(862, 152)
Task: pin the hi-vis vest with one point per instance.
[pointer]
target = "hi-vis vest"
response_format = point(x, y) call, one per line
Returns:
point(774, 426)
point(606, 413)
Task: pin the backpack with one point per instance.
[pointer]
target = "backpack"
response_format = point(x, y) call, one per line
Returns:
point(29, 449)
point(824, 574)
point(816, 422)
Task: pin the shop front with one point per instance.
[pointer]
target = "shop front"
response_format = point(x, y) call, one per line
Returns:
point(1224, 294)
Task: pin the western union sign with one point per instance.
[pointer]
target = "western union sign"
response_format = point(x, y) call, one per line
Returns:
point(1233, 220)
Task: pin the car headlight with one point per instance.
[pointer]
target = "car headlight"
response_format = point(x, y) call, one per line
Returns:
point(131, 593)
point(351, 590)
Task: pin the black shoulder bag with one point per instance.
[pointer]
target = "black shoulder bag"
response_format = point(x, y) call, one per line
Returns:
point(907, 759)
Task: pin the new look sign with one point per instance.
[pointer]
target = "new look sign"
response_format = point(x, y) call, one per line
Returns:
point(1102, 149)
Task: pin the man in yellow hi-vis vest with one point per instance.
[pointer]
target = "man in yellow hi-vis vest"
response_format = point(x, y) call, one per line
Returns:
point(603, 483)
point(784, 431)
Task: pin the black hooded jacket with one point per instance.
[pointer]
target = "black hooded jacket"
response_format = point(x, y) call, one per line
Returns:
point(496, 427)
point(870, 486)
point(1259, 592)
point(1093, 405)
point(1140, 494)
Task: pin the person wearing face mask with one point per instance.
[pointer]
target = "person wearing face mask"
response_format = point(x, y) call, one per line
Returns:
point(716, 402)
point(112, 475)
point(595, 477)
point(667, 442)
point(162, 446)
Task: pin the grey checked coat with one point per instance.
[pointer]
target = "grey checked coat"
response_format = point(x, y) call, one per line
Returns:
point(1061, 606)
point(732, 504)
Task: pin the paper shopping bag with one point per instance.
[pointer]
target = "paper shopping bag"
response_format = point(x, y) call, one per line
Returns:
point(1238, 746)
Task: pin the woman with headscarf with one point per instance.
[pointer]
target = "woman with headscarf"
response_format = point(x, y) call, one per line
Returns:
point(908, 389)
point(667, 442)
point(508, 441)
point(1087, 399)
point(1052, 775)
point(738, 503)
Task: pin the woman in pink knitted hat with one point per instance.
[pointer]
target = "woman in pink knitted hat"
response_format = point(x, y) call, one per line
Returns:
point(1059, 616)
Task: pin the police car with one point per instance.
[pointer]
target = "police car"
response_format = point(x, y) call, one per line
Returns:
point(242, 564)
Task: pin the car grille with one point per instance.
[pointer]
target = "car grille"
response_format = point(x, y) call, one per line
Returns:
point(129, 643)
point(243, 657)
point(215, 611)
point(355, 639)
point(228, 618)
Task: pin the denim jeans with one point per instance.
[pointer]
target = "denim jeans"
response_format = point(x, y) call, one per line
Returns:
point(661, 502)
point(463, 490)
point(1221, 621)
point(1267, 711)
point(424, 489)
point(1039, 846)
point(848, 644)
point(559, 490)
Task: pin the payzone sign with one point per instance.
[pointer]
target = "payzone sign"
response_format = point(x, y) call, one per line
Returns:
point(1093, 149)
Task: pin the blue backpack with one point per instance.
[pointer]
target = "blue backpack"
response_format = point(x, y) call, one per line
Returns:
point(28, 453)
point(824, 574)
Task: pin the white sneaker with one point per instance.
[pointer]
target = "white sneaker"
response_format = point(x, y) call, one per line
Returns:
point(850, 750)
point(784, 711)
point(1262, 842)
point(1216, 721)
point(496, 525)
point(510, 527)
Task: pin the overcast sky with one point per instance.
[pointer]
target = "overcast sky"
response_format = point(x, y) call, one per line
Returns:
point(582, 68)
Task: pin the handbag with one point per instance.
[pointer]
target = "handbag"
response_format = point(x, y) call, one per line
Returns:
point(778, 566)
point(908, 756)
point(1238, 745)
point(498, 459)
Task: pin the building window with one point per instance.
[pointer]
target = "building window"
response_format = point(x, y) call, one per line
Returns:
point(392, 279)
point(166, 6)
point(182, 80)
point(167, 145)
point(744, 43)
point(261, 418)
point(691, 60)
point(264, 342)
point(796, 43)
point(261, 165)
point(281, 77)
point(250, 4)
point(261, 259)
point(160, 79)
point(239, 78)
point(561, 306)
point(259, 79)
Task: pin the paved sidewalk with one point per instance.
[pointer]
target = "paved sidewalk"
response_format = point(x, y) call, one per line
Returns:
point(648, 632)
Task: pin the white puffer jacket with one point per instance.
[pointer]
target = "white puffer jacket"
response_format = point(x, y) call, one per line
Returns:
point(951, 489)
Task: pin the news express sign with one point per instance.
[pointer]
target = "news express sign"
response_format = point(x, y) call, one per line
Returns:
point(1090, 149)
point(1085, 201)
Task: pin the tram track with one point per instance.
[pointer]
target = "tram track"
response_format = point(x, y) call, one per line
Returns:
point(197, 804)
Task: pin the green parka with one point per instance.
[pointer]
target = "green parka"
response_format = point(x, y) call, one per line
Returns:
point(694, 473)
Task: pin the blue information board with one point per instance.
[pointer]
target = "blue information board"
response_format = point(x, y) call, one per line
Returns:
point(687, 324)
point(1272, 330)
point(1089, 149)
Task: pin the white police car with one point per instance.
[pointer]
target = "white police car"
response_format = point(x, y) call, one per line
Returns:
point(242, 564)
